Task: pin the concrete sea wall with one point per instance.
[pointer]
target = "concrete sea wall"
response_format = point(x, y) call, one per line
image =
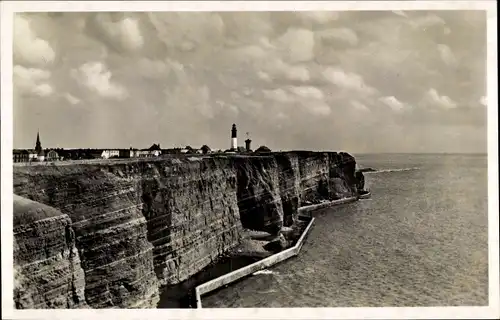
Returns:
point(111, 234)
point(252, 268)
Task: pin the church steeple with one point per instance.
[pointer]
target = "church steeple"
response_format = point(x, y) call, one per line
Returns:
point(38, 145)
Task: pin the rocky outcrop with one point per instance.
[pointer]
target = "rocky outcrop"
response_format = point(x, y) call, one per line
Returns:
point(119, 230)
point(47, 270)
point(342, 180)
point(110, 230)
point(290, 185)
point(258, 193)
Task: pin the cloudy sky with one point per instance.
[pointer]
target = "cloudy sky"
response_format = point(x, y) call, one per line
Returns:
point(390, 81)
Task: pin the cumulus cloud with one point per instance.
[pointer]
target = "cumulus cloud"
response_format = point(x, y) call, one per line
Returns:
point(186, 31)
point(28, 47)
point(153, 69)
point(299, 73)
point(434, 99)
point(393, 103)
point(263, 76)
point(447, 55)
point(319, 17)
point(278, 95)
point(359, 106)
point(125, 31)
point(309, 99)
point(32, 81)
point(347, 80)
point(97, 78)
point(298, 69)
point(298, 44)
point(190, 100)
point(319, 108)
point(400, 13)
point(335, 34)
point(427, 21)
point(72, 99)
point(307, 92)
point(278, 69)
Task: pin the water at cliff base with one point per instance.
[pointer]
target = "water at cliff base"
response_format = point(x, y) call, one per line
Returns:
point(421, 240)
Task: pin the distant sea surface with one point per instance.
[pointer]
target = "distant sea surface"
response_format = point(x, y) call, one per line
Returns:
point(421, 240)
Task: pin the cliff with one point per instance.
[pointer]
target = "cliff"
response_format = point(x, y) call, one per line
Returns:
point(110, 234)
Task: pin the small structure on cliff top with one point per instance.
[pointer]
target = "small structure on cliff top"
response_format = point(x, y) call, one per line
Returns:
point(205, 149)
point(262, 149)
point(234, 139)
point(247, 143)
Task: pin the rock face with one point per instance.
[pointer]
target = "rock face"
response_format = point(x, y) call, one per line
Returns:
point(259, 194)
point(111, 234)
point(47, 270)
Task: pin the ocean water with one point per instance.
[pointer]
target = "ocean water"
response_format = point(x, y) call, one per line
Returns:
point(421, 240)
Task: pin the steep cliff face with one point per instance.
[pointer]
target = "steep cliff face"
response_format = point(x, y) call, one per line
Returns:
point(47, 271)
point(259, 198)
point(314, 176)
point(342, 180)
point(110, 230)
point(139, 225)
point(192, 214)
point(290, 185)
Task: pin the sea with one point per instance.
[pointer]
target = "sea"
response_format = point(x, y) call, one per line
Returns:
point(421, 240)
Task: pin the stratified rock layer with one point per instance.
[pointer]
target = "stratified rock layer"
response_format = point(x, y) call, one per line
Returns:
point(119, 230)
point(47, 270)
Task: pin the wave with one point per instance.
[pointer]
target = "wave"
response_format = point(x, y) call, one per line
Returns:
point(265, 271)
point(393, 170)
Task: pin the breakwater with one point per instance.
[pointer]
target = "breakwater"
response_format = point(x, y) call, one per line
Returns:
point(252, 268)
point(114, 234)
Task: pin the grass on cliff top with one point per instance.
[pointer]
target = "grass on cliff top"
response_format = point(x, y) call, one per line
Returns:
point(27, 211)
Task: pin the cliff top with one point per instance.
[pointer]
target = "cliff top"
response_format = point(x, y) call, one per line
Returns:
point(175, 159)
point(28, 211)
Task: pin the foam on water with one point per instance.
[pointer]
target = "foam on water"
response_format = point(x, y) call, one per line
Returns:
point(393, 170)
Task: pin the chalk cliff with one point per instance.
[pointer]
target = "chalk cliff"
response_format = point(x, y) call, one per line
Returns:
point(110, 234)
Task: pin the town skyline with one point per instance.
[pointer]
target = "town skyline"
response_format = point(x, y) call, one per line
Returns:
point(365, 82)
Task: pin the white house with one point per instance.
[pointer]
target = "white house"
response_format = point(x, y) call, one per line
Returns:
point(33, 155)
point(106, 154)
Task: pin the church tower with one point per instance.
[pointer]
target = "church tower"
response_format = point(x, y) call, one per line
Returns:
point(38, 145)
point(234, 140)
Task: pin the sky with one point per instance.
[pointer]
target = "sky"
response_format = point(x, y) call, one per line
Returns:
point(361, 82)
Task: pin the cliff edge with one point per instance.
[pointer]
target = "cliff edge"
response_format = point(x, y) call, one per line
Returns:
point(110, 234)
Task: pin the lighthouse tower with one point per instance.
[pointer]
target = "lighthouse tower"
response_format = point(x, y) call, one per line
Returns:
point(234, 140)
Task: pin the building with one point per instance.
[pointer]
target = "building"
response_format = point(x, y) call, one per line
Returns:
point(21, 156)
point(52, 155)
point(234, 139)
point(187, 149)
point(171, 151)
point(33, 155)
point(153, 151)
point(38, 153)
point(109, 153)
point(41, 156)
point(126, 153)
